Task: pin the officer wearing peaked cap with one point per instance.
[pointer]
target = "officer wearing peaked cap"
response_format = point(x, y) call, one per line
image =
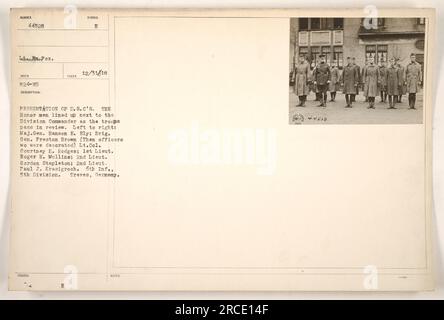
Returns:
point(413, 79)
point(349, 79)
point(322, 79)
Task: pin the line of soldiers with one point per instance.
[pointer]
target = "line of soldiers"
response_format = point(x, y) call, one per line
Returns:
point(392, 81)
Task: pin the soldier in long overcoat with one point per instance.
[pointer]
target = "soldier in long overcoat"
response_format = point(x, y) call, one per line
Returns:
point(315, 87)
point(334, 81)
point(310, 79)
point(349, 79)
point(402, 88)
point(370, 77)
point(413, 79)
point(322, 80)
point(383, 81)
point(301, 74)
point(364, 84)
point(393, 83)
point(358, 70)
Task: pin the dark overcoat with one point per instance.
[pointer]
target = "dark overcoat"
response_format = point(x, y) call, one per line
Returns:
point(392, 80)
point(382, 78)
point(370, 77)
point(402, 87)
point(350, 79)
point(413, 77)
point(358, 69)
point(334, 80)
point(322, 74)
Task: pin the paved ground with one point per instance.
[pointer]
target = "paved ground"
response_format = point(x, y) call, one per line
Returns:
point(335, 113)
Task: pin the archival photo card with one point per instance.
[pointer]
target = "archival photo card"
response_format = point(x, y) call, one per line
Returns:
point(357, 70)
point(159, 149)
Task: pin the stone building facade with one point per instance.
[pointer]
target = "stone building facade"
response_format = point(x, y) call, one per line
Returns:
point(339, 38)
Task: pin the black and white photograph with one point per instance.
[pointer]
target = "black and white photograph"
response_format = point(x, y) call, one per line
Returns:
point(152, 151)
point(356, 70)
